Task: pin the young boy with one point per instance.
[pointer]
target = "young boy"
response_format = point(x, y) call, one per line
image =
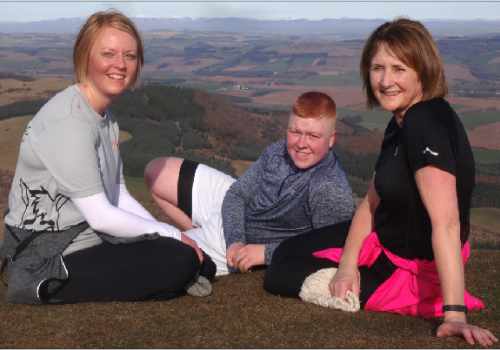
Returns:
point(295, 186)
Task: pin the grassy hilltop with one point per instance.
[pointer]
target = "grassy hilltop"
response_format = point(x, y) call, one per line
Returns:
point(220, 99)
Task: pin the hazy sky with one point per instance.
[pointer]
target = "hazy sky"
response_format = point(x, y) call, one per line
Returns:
point(32, 10)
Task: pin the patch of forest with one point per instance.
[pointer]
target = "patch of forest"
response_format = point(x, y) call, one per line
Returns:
point(176, 121)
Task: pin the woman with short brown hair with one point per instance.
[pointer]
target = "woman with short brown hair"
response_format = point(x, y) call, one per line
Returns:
point(405, 249)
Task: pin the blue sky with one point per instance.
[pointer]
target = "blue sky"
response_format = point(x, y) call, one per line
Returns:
point(32, 10)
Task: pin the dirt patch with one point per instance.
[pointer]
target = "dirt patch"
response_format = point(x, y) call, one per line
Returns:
point(486, 136)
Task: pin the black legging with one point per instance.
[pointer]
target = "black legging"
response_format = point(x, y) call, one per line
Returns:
point(293, 261)
point(150, 269)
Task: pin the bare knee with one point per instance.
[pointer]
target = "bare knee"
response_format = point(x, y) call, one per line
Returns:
point(153, 169)
point(161, 172)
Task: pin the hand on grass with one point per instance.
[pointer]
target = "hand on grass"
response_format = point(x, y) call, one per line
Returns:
point(186, 240)
point(470, 333)
point(345, 279)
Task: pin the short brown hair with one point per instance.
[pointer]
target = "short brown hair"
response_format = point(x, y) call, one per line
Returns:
point(412, 43)
point(89, 32)
point(314, 104)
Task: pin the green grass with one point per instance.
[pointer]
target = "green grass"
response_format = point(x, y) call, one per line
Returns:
point(280, 66)
point(378, 119)
point(208, 86)
point(486, 156)
point(371, 119)
point(474, 119)
point(488, 218)
point(303, 60)
point(343, 79)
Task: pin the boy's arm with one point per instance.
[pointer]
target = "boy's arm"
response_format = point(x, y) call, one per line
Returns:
point(233, 206)
point(331, 201)
point(233, 215)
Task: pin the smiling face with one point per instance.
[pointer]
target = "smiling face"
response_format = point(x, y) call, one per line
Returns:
point(112, 67)
point(395, 85)
point(309, 140)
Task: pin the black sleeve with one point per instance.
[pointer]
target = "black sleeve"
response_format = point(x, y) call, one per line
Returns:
point(426, 136)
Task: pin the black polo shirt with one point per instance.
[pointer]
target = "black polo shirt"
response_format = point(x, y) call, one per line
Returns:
point(431, 134)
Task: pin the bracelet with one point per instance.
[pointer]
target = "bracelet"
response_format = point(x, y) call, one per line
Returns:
point(458, 308)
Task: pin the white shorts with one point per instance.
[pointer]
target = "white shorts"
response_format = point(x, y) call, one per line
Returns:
point(208, 191)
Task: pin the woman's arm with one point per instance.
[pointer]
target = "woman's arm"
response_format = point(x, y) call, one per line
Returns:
point(437, 189)
point(347, 276)
point(130, 204)
point(104, 217)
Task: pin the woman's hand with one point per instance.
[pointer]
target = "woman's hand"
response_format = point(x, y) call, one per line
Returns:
point(470, 333)
point(345, 279)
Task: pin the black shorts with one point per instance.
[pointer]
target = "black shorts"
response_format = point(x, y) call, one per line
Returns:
point(185, 186)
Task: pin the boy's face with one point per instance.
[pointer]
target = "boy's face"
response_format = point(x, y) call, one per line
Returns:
point(309, 140)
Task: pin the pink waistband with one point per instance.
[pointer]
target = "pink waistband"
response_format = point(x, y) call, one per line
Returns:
point(413, 289)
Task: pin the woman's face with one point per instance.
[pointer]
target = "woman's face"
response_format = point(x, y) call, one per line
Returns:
point(395, 85)
point(113, 64)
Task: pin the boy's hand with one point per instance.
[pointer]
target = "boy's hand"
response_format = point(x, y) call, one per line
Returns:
point(232, 252)
point(250, 255)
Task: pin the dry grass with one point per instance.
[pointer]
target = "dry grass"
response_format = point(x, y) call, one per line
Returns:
point(11, 131)
point(12, 90)
point(239, 314)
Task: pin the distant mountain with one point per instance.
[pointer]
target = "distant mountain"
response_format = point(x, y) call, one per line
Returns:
point(338, 28)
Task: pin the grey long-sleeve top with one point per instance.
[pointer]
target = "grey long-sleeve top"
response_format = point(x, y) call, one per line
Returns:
point(274, 200)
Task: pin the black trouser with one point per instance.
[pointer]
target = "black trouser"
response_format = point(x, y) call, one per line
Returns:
point(293, 261)
point(150, 269)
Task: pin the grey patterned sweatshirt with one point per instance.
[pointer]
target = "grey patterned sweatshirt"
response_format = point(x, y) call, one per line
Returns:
point(274, 200)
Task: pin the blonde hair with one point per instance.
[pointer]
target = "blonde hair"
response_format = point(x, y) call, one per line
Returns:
point(412, 43)
point(89, 32)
